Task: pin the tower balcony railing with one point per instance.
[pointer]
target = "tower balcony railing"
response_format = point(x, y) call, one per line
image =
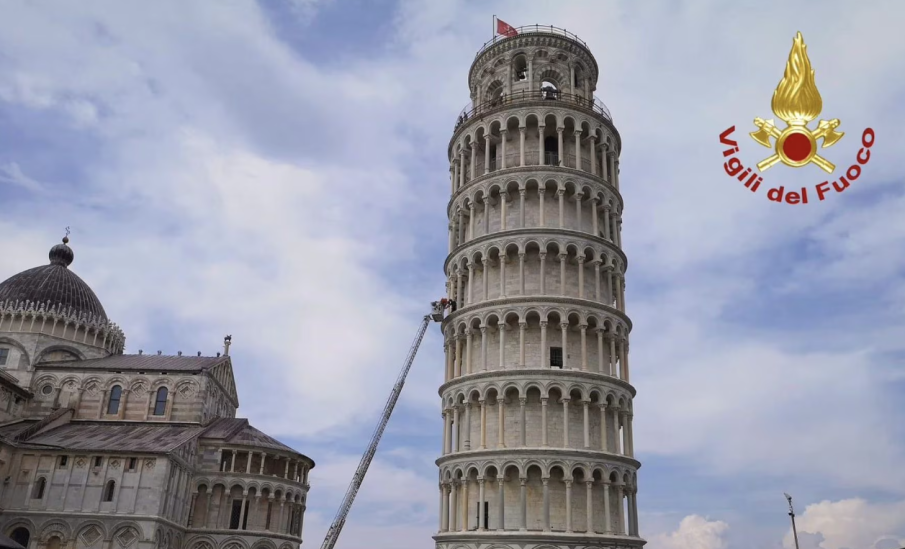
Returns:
point(585, 163)
point(532, 29)
point(594, 103)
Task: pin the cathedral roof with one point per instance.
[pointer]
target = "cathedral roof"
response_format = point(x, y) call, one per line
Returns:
point(239, 432)
point(54, 285)
point(81, 435)
point(58, 431)
point(9, 431)
point(118, 437)
point(143, 362)
point(12, 384)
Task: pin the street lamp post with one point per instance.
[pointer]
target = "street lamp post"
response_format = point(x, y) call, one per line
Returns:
point(792, 514)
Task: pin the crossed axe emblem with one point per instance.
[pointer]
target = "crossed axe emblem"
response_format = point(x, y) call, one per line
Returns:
point(826, 129)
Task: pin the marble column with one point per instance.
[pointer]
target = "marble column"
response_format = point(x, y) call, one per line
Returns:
point(522, 146)
point(543, 421)
point(546, 489)
point(501, 436)
point(481, 504)
point(523, 402)
point(444, 507)
point(565, 422)
point(568, 484)
point(483, 406)
point(523, 503)
point(501, 501)
point(467, 426)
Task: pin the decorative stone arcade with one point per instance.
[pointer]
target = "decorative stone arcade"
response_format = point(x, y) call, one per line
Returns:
point(537, 404)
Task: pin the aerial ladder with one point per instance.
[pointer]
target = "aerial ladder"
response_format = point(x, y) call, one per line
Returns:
point(436, 314)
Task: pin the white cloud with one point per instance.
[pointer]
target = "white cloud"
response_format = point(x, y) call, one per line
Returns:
point(694, 532)
point(852, 524)
point(11, 174)
point(286, 257)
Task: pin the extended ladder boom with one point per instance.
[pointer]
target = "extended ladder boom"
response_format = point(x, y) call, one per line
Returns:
point(340, 519)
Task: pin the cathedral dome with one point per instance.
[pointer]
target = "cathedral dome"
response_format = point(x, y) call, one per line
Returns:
point(54, 285)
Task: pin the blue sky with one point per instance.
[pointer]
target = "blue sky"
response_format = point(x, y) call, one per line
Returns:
point(276, 170)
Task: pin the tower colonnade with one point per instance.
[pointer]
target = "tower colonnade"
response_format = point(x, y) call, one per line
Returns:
point(537, 404)
point(525, 266)
point(536, 200)
point(544, 338)
point(482, 149)
point(537, 495)
point(575, 412)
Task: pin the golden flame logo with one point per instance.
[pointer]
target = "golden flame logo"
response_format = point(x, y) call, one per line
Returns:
point(797, 101)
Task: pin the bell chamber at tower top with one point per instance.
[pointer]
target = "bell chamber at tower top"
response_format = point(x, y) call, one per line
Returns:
point(540, 63)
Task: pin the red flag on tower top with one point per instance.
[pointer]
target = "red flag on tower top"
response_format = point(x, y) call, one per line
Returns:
point(505, 28)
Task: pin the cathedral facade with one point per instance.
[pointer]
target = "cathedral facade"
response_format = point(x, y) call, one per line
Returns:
point(105, 450)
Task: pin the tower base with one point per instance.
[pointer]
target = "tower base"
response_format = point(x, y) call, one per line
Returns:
point(491, 539)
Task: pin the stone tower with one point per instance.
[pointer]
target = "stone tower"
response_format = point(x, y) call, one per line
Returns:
point(537, 404)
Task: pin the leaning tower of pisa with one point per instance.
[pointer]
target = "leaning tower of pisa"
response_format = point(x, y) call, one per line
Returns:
point(537, 403)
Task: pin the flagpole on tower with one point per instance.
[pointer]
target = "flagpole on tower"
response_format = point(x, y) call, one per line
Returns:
point(493, 33)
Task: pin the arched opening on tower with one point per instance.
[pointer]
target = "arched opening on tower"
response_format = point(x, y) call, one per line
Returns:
point(549, 89)
point(486, 150)
point(551, 151)
point(579, 499)
point(520, 68)
point(569, 144)
point(494, 93)
point(489, 513)
point(534, 508)
point(556, 494)
point(551, 82)
point(578, 81)
point(581, 83)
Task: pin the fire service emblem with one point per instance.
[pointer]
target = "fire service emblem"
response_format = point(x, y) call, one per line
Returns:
point(797, 102)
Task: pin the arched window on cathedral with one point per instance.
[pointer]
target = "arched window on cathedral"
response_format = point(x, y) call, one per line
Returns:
point(116, 394)
point(38, 490)
point(21, 535)
point(160, 405)
point(108, 490)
